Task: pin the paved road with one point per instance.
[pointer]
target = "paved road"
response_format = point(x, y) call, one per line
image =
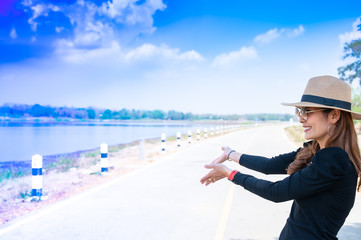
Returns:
point(166, 201)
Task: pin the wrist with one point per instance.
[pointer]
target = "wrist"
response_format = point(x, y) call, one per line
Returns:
point(232, 174)
point(229, 154)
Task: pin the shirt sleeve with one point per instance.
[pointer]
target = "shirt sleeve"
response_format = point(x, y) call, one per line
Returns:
point(274, 165)
point(328, 166)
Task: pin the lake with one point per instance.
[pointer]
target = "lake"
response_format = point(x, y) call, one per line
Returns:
point(20, 141)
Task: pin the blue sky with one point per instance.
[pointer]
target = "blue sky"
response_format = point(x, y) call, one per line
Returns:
point(206, 56)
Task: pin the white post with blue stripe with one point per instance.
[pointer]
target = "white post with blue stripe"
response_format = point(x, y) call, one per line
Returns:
point(217, 130)
point(205, 133)
point(212, 131)
point(189, 137)
point(163, 137)
point(198, 134)
point(104, 157)
point(37, 176)
point(178, 139)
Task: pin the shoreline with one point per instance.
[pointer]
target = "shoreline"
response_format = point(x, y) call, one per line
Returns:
point(50, 120)
point(49, 159)
point(16, 159)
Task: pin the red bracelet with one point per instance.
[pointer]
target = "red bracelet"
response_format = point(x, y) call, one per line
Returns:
point(231, 175)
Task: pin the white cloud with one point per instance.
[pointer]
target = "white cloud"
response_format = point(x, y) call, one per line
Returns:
point(39, 10)
point(97, 26)
point(296, 32)
point(115, 53)
point(119, 20)
point(276, 33)
point(13, 33)
point(59, 29)
point(151, 51)
point(130, 13)
point(352, 35)
point(269, 36)
point(229, 59)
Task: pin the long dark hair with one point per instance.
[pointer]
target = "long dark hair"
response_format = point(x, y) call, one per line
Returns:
point(343, 136)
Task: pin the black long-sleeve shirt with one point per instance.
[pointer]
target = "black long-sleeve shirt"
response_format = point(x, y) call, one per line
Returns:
point(323, 192)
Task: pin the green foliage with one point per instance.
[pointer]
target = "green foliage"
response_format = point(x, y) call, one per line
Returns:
point(41, 111)
point(25, 195)
point(107, 114)
point(92, 154)
point(174, 115)
point(12, 173)
point(356, 99)
point(352, 51)
point(63, 164)
point(158, 114)
point(91, 113)
point(66, 113)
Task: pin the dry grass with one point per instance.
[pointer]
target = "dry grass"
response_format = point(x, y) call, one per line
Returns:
point(295, 134)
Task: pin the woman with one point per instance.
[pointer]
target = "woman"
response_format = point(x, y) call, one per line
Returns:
point(323, 174)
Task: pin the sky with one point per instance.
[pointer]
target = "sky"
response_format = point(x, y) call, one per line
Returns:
point(199, 56)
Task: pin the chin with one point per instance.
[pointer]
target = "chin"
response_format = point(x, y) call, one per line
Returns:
point(308, 137)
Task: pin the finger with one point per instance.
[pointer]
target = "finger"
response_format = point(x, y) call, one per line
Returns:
point(205, 178)
point(208, 182)
point(217, 160)
point(210, 166)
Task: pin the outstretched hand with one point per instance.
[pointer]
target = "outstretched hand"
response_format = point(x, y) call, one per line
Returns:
point(223, 156)
point(218, 172)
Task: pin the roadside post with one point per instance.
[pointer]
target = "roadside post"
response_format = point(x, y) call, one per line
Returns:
point(178, 139)
point(37, 176)
point(104, 157)
point(163, 137)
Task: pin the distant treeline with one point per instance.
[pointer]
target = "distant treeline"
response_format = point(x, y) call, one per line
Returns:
point(23, 111)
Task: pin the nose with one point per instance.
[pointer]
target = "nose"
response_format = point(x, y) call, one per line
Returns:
point(301, 120)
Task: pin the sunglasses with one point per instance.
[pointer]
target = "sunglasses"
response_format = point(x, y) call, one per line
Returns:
point(303, 113)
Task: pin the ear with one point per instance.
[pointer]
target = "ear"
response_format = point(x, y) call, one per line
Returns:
point(334, 116)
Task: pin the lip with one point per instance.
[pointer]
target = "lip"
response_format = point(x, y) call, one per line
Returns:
point(306, 128)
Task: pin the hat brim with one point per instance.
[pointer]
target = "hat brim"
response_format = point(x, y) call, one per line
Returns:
point(355, 115)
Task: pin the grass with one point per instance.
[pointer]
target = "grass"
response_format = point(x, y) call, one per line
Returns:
point(63, 164)
point(92, 154)
point(295, 133)
point(13, 173)
point(116, 148)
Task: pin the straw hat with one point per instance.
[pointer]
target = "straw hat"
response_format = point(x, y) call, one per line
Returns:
point(327, 92)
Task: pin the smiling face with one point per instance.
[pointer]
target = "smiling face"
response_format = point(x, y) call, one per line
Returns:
point(316, 126)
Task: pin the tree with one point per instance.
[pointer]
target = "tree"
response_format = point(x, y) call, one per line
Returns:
point(352, 71)
point(158, 114)
point(174, 115)
point(107, 114)
point(124, 114)
point(91, 113)
point(41, 111)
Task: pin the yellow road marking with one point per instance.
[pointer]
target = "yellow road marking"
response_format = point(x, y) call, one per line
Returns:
point(227, 206)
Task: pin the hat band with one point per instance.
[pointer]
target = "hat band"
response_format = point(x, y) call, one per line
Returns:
point(326, 101)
